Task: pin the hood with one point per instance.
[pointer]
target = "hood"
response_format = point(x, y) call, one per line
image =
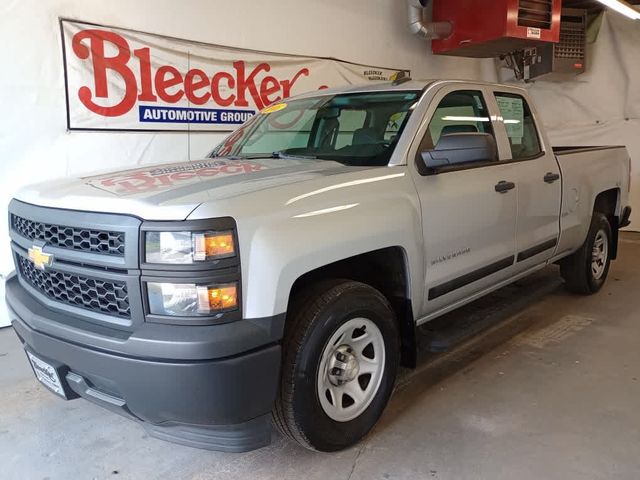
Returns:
point(173, 191)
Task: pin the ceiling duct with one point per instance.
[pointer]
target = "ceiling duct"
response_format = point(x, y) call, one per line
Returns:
point(418, 25)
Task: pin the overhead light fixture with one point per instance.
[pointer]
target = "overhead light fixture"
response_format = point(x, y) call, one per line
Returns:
point(622, 7)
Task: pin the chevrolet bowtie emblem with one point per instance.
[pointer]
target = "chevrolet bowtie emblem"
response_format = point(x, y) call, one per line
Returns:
point(39, 258)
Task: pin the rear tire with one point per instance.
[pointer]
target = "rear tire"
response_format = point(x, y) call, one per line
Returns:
point(586, 270)
point(340, 359)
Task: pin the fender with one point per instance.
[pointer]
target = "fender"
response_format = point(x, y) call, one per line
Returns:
point(287, 232)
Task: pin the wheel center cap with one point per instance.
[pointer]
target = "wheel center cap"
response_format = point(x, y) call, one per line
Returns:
point(343, 366)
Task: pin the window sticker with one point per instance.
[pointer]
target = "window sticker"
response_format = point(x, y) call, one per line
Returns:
point(512, 110)
point(394, 121)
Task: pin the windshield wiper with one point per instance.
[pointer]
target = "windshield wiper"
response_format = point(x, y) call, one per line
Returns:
point(288, 156)
point(258, 156)
point(228, 157)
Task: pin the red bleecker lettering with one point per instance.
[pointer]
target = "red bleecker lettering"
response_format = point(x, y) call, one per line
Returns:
point(287, 85)
point(101, 64)
point(146, 87)
point(139, 182)
point(249, 83)
point(231, 169)
point(215, 89)
point(208, 172)
point(268, 86)
point(195, 80)
point(163, 179)
point(182, 176)
point(166, 83)
point(248, 168)
point(167, 77)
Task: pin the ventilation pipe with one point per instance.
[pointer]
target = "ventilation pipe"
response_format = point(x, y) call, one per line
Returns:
point(426, 30)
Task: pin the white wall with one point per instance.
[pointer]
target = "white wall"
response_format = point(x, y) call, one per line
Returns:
point(34, 144)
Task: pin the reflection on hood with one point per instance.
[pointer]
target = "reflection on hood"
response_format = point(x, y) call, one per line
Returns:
point(166, 177)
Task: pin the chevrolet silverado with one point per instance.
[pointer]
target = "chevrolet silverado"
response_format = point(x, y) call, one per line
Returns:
point(280, 280)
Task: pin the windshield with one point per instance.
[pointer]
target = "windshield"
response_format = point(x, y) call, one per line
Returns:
point(358, 129)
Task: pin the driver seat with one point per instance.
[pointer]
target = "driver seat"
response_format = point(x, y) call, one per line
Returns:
point(365, 136)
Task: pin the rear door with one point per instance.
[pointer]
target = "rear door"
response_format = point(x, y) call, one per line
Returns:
point(468, 223)
point(539, 185)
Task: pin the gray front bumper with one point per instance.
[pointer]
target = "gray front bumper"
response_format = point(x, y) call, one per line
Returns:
point(160, 378)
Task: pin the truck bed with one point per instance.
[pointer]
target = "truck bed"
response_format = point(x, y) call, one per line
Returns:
point(587, 171)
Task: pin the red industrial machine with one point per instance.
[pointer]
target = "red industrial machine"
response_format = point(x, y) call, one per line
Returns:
point(493, 28)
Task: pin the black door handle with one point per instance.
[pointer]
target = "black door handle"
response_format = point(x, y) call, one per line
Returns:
point(551, 177)
point(504, 186)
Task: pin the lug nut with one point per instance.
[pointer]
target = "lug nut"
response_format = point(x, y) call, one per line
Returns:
point(341, 356)
point(336, 371)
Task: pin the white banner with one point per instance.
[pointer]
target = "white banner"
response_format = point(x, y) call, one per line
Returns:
point(119, 79)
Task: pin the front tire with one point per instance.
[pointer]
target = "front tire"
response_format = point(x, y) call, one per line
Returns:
point(341, 356)
point(586, 270)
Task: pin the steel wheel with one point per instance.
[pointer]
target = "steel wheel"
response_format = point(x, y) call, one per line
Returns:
point(351, 369)
point(599, 254)
point(340, 360)
point(586, 270)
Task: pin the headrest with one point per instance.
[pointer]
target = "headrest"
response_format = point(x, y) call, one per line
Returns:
point(449, 129)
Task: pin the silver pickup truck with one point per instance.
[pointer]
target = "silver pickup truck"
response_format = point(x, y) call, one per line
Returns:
point(281, 279)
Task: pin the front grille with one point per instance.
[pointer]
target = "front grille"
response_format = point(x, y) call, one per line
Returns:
point(535, 13)
point(73, 238)
point(108, 297)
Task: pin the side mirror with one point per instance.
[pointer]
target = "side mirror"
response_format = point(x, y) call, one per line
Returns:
point(459, 148)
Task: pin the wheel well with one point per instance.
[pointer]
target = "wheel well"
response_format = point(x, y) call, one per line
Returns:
point(386, 271)
point(607, 202)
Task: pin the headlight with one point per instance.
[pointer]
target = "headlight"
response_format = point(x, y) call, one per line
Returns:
point(185, 248)
point(190, 299)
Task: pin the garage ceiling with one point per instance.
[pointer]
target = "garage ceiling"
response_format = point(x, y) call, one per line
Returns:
point(591, 5)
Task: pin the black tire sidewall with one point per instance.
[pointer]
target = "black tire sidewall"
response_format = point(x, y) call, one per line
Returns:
point(322, 432)
point(600, 222)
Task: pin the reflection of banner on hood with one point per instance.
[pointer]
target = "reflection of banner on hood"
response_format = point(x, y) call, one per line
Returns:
point(167, 176)
point(120, 79)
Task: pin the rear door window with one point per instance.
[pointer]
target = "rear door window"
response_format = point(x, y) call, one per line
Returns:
point(520, 126)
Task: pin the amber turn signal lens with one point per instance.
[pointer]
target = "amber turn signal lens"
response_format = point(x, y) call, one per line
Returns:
point(212, 245)
point(219, 245)
point(223, 298)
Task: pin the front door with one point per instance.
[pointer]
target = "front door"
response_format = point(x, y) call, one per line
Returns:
point(469, 210)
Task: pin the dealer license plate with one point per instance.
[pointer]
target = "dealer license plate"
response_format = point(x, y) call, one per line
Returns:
point(47, 375)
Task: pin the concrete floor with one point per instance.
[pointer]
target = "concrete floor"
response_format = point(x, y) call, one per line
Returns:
point(550, 391)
